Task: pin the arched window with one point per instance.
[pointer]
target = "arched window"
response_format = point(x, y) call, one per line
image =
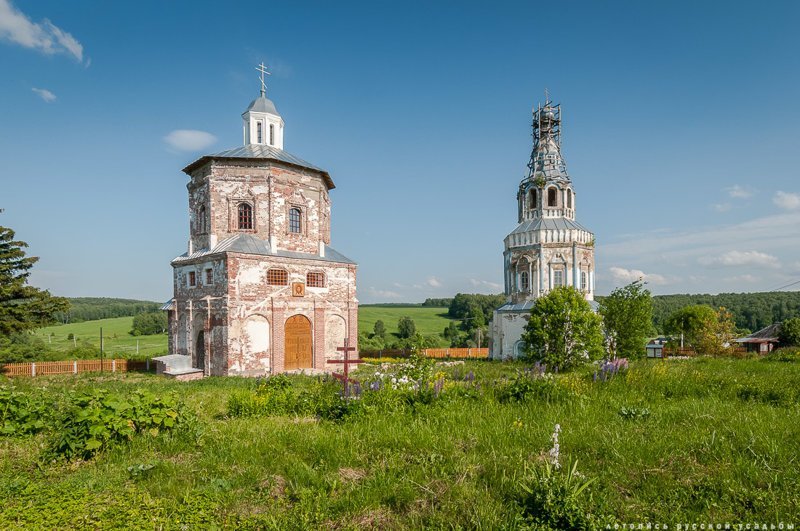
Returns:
point(271, 135)
point(569, 198)
point(552, 197)
point(524, 281)
point(294, 220)
point(259, 133)
point(584, 283)
point(532, 199)
point(245, 217)
point(201, 220)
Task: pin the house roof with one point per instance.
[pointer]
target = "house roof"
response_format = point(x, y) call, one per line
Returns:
point(260, 152)
point(767, 334)
point(249, 244)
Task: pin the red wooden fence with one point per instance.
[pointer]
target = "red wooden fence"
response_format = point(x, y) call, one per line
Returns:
point(40, 368)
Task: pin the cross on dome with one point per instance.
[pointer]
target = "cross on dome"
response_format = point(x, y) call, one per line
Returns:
point(263, 69)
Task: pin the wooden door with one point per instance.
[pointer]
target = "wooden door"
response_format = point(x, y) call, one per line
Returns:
point(298, 347)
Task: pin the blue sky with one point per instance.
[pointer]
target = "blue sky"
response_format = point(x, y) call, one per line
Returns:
point(681, 129)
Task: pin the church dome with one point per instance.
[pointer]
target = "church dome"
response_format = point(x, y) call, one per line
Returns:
point(263, 104)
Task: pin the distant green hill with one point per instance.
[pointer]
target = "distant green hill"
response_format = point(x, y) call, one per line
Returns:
point(93, 308)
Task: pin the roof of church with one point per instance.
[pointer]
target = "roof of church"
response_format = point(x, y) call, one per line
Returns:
point(548, 224)
point(249, 244)
point(260, 151)
point(262, 104)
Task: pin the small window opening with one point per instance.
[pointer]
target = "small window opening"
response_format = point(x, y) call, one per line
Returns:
point(532, 200)
point(558, 278)
point(552, 198)
point(245, 217)
point(294, 220)
point(583, 281)
point(524, 281)
point(259, 132)
point(315, 280)
point(201, 220)
point(277, 277)
point(569, 198)
point(209, 277)
point(271, 135)
point(192, 278)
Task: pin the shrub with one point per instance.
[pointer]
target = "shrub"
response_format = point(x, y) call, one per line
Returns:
point(20, 414)
point(790, 332)
point(786, 354)
point(97, 420)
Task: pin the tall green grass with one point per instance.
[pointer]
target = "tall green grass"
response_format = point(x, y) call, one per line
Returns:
point(719, 444)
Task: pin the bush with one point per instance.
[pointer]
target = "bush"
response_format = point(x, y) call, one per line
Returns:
point(20, 414)
point(97, 420)
point(787, 354)
point(790, 332)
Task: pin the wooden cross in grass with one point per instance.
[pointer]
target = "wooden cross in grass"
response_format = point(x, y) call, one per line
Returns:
point(345, 378)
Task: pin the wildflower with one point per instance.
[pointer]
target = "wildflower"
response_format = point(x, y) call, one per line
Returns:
point(554, 453)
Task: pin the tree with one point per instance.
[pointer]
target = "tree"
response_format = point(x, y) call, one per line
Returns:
point(689, 322)
point(406, 327)
point(708, 330)
point(627, 319)
point(22, 307)
point(790, 332)
point(563, 331)
point(149, 323)
point(379, 330)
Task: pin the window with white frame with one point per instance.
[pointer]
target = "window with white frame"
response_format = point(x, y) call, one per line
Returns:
point(558, 278)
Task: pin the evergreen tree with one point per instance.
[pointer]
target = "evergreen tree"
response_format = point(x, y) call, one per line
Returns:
point(563, 331)
point(627, 319)
point(22, 307)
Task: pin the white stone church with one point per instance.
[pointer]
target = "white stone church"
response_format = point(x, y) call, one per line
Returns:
point(548, 248)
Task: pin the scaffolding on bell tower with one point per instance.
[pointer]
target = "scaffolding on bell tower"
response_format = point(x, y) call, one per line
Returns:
point(546, 161)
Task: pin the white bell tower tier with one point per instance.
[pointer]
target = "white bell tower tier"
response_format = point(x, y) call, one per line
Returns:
point(262, 123)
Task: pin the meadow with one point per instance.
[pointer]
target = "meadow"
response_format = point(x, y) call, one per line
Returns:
point(666, 442)
point(428, 320)
point(119, 343)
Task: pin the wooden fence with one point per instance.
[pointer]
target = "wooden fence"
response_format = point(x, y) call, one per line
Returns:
point(460, 353)
point(41, 368)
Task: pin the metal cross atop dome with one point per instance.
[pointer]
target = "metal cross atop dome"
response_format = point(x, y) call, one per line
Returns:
point(263, 69)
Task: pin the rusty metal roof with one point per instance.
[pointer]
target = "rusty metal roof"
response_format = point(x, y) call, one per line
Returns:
point(263, 152)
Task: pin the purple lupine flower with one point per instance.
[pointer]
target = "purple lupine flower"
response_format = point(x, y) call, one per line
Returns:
point(594, 378)
point(356, 389)
point(438, 386)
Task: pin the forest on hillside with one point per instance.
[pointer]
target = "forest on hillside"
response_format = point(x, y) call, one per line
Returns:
point(92, 308)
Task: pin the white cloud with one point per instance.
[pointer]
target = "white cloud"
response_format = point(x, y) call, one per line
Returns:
point(45, 94)
point(384, 294)
point(46, 37)
point(627, 276)
point(485, 283)
point(786, 200)
point(748, 278)
point(740, 258)
point(189, 139)
point(433, 282)
point(739, 192)
point(721, 207)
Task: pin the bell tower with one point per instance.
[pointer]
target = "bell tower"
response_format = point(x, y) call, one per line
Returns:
point(548, 249)
point(262, 123)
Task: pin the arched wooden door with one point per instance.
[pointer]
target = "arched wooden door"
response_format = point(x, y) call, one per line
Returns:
point(298, 347)
point(200, 351)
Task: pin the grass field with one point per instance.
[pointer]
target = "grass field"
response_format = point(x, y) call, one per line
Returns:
point(682, 441)
point(117, 341)
point(428, 320)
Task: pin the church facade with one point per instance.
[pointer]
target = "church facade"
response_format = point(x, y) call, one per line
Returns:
point(259, 290)
point(548, 249)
